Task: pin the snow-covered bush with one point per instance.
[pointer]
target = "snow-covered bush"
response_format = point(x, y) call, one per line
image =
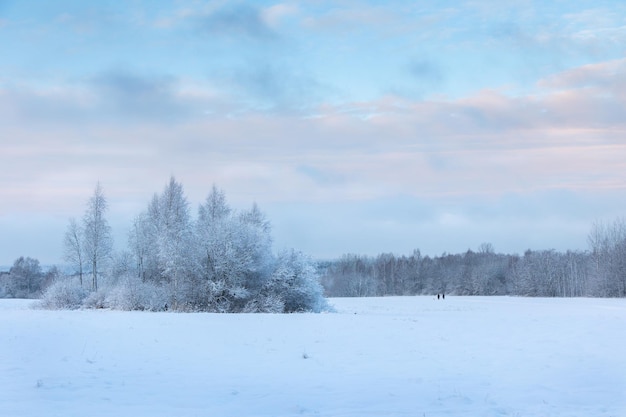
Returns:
point(271, 303)
point(63, 294)
point(96, 299)
point(296, 282)
point(132, 294)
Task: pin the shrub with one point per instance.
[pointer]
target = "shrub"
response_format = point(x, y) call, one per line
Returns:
point(63, 294)
point(96, 299)
point(132, 294)
point(265, 304)
point(297, 284)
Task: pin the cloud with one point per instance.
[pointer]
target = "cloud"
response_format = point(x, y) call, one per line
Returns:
point(127, 95)
point(240, 20)
point(426, 76)
point(29, 106)
point(347, 18)
point(272, 86)
point(426, 71)
point(565, 137)
point(114, 96)
point(319, 175)
point(609, 76)
point(276, 13)
point(597, 25)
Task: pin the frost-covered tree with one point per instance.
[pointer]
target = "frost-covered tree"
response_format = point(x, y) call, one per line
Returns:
point(548, 273)
point(97, 238)
point(254, 244)
point(233, 252)
point(73, 252)
point(218, 270)
point(25, 278)
point(215, 208)
point(169, 237)
point(141, 243)
point(608, 246)
point(483, 273)
point(213, 234)
point(296, 283)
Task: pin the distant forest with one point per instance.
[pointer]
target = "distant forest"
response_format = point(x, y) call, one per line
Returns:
point(598, 272)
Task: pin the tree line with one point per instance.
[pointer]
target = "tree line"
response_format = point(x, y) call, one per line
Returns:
point(219, 261)
point(598, 272)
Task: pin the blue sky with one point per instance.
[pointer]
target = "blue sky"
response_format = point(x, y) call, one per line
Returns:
point(357, 126)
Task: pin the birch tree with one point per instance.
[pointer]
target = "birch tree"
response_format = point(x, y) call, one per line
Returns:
point(97, 239)
point(73, 252)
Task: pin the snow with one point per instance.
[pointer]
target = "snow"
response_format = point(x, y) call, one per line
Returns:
point(392, 356)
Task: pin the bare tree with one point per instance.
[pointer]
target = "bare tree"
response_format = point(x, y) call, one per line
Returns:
point(73, 247)
point(98, 242)
point(608, 246)
point(139, 244)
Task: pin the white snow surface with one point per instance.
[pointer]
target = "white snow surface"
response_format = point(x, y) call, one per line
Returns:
point(392, 356)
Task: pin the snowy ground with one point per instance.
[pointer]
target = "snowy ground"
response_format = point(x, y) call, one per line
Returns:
point(396, 356)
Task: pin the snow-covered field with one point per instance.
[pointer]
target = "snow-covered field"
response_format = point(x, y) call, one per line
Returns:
point(396, 356)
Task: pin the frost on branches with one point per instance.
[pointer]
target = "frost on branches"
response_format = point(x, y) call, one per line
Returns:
point(221, 261)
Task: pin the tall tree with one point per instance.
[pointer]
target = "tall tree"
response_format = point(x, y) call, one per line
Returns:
point(97, 240)
point(167, 229)
point(218, 270)
point(139, 239)
point(73, 247)
point(254, 246)
point(215, 208)
point(212, 232)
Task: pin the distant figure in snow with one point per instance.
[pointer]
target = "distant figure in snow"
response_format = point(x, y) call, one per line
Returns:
point(437, 296)
point(443, 296)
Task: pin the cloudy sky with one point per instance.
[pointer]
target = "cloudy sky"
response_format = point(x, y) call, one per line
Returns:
point(357, 126)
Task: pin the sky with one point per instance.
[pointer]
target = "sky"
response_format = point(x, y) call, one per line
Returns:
point(356, 126)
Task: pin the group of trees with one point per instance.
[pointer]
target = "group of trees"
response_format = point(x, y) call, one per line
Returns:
point(25, 279)
point(600, 272)
point(608, 258)
point(471, 273)
point(221, 261)
point(87, 246)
